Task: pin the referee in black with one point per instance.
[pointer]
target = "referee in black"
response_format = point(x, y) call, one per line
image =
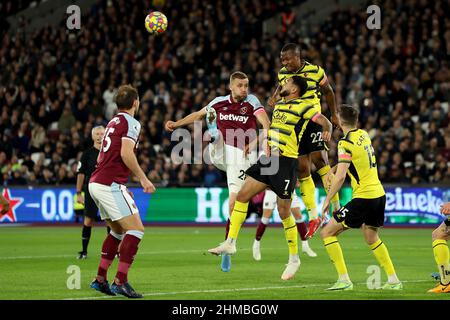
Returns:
point(86, 167)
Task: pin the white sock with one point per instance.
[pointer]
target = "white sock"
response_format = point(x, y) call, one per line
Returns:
point(265, 220)
point(393, 279)
point(305, 244)
point(344, 277)
point(313, 214)
point(299, 220)
point(294, 258)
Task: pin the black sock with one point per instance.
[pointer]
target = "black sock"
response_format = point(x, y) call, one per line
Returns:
point(108, 230)
point(85, 237)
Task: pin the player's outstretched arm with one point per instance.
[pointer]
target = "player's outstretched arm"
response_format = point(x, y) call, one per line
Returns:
point(130, 160)
point(4, 204)
point(326, 125)
point(336, 185)
point(80, 181)
point(194, 116)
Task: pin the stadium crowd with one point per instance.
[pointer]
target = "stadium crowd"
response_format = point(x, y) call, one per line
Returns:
point(57, 85)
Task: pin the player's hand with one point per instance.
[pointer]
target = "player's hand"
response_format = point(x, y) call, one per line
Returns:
point(271, 102)
point(170, 126)
point(147, 185)
point(445, 208)
point(335, 120)
point(326, 208)
point(326, 136)
point(266, 147)
point(5, 208)
point(80, 199)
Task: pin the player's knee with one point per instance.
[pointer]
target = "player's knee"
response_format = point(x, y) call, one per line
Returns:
point(243, 196)
point(304, 171)
point(88, 222)
point(437, 234)
point(326, 232)
point(318, 160)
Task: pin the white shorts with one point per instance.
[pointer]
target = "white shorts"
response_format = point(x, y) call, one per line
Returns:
point(231, 160)
point(114, 201)
point(270, 200)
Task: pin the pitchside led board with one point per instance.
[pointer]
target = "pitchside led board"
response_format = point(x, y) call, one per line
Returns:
point(404, 205)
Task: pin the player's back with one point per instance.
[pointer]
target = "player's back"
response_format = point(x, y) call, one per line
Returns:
point(110, 166)
point(356, 148)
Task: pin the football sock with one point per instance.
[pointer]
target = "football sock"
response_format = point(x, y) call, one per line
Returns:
point(291, 235)
point(335, 200)
point(307, 192)
point(381, 253)
point(108, 229)
point(227, 228)
point(441, 255)
point(109, 251)
point(261, 228)
point(237, 218)
point(302, 229)
point(335, 253)
point(85, 237)
point(128, 250)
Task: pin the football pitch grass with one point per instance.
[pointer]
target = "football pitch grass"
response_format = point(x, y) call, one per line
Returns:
point(173, 264)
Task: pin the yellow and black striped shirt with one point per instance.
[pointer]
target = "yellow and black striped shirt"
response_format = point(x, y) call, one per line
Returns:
point(314, 75)
point(356, 148)
point(289, 120)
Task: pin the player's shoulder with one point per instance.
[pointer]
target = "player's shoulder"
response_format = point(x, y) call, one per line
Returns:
point(253, 100)
point(219, 99)
point(283, 71)
point(129, 121)
point(311, 67)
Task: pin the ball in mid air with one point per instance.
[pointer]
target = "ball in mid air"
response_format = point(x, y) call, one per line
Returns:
point(156, 22)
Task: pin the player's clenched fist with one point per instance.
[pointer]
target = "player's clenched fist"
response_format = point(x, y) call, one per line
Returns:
point(147, 185)
point(326, 135)
point(170, 126)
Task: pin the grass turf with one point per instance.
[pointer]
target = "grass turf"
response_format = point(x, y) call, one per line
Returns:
point(172, 263)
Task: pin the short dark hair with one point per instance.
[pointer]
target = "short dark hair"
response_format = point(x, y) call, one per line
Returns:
point(125, 97)
point(349, 114)
point(291, 47)
point(238, 75)
point(301, 83)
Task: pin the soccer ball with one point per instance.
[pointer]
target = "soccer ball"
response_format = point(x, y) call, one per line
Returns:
point(156, 22)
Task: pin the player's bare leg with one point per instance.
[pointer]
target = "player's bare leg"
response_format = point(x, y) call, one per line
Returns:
point(381, 253)
point(250, 188)
point(320, 161)
point(440, 236)
point(329, 235)
point(291, 234)
point(302, 229)
point(267, 214)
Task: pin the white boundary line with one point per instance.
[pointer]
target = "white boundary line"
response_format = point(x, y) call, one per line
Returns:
point(230, 290)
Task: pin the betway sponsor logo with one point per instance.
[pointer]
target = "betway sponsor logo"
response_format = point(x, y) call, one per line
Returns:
point(233, 117)
point(415, 200)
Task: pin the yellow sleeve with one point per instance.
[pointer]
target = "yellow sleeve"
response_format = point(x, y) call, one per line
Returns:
point(310, 112)
point(344, 152)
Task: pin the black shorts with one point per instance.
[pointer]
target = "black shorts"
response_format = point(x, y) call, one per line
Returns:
point(311, 139)
point(281, 178)
point(90, 208)
point(362, 211)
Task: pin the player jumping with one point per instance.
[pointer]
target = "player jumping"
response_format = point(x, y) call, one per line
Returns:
point(312, 147)
point(440, 237)
point(237, 112)
point(365, 210)
point(117, 207)
point(279, 170)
